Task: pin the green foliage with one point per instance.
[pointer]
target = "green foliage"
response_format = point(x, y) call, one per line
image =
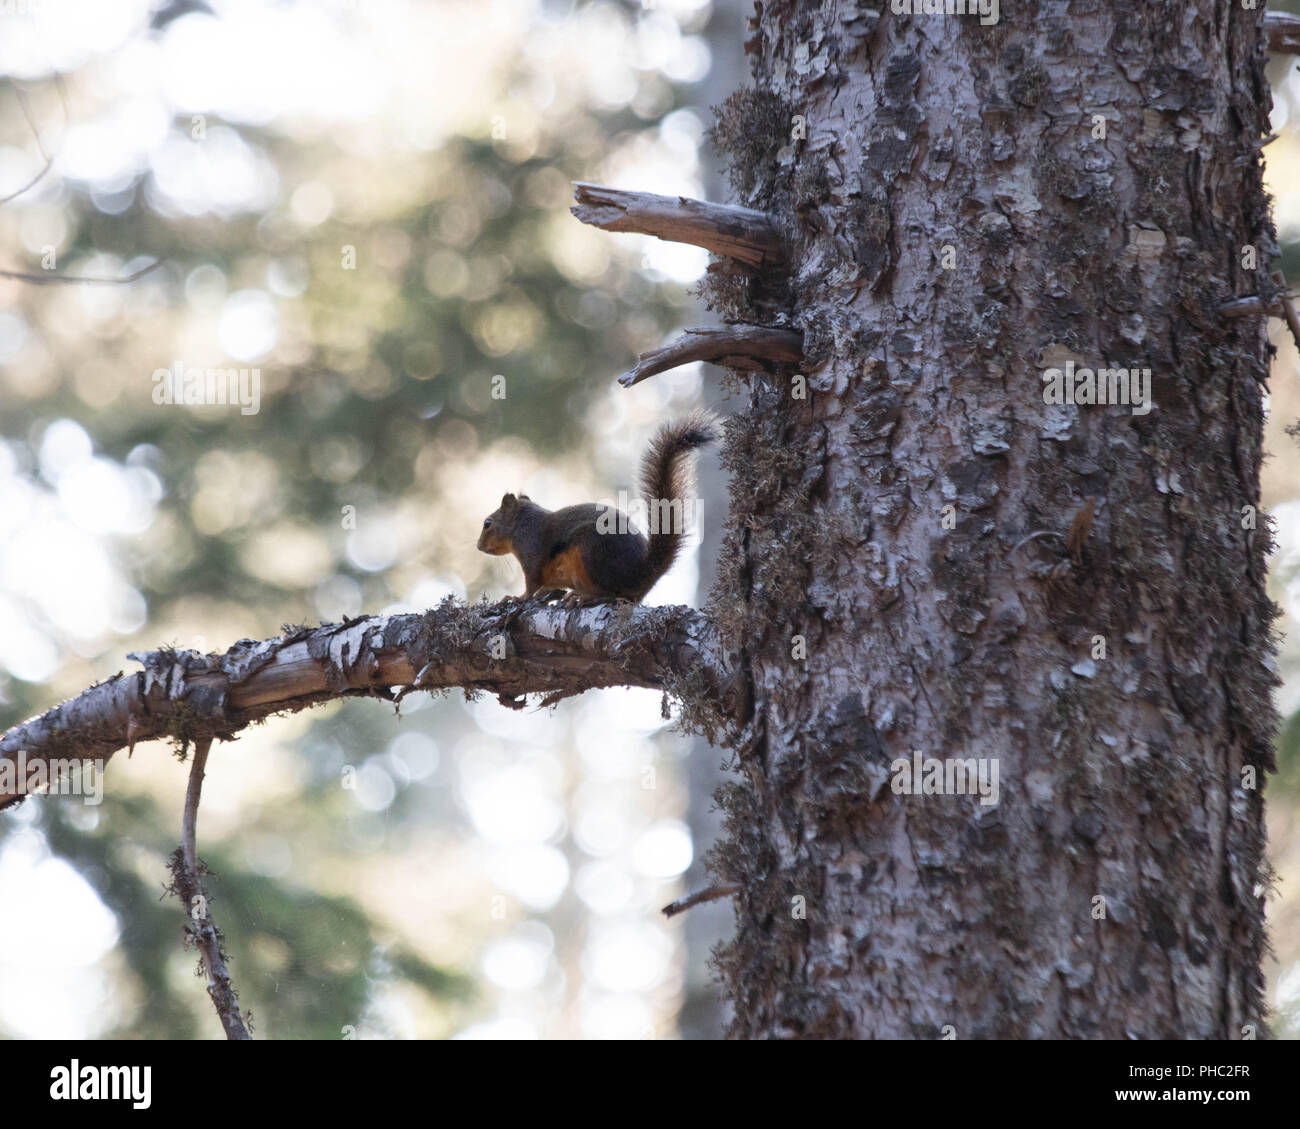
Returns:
point(305, 964)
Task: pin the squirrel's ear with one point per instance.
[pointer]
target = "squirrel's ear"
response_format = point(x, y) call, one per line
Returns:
point(508, 502)
point(524, 498)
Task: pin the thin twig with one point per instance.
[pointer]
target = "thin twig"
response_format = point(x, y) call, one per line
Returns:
point(712, 894)
point(36, 133)
point(1288, 309)
point(45, 279)
point(193, 793)
point(49, 161)
point(190, 886)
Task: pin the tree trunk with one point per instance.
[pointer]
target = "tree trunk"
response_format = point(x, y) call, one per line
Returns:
point(1074, 592)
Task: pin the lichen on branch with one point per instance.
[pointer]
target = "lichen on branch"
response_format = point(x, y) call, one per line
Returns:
point(506, 648)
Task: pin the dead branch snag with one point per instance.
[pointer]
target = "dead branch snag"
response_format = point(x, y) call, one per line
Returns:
point(1249, 306)
point(743, 234)
point(498, 648)
point(1282, 33)
point(754, 348)
point(712, 894)
point(1254, 306)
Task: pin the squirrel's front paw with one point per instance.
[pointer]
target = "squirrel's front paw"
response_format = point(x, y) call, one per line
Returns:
point(576, 600)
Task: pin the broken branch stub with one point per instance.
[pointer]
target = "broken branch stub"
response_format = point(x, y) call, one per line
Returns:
point(743, 234)
point(1282, 33)
point(754, 348)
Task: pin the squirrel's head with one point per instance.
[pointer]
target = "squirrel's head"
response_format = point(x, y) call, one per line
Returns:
point(497, 535)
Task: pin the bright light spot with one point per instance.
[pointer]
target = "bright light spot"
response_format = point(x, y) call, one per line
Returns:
point(288, 555)
point(1288, 986)
point(1286, 535)
point(64, 445)
point(520, 960)
point(373, 788)
point(25, 652)
point(535, 874)
point(92, 152)
point(617, 1017)
point(13, 336)
point(374, 544)
point(49, 985)
point(683, 133)
point(101, 497)
point(249, 325)
point(628, 957)
point(295, 61)
point(221, 174)
point(600, 830)
point(677, 261)
point(691, 63)
point(505, 1029)
point(432, 590)
point(312, 203)
point(632, 708)
point(506, 808)
point(270, 855)
point(67, 574)
point(663, 850)
point(417, 753)
point(287, 278)
point(205, 287)
point(41, 36)
point(605, 888)
point(337, 596)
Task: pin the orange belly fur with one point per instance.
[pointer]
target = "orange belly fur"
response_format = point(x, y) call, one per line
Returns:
point(566, 570)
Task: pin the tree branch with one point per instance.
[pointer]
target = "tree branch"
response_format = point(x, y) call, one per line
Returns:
point(1250, 306)
point(187, 882)
point(1288, 308)
point(1282, 33)
point(1254, 306)
point(743, 234)
point(36, 133)
point(503, 648)
point(712, 894)
point(755, 348)
point(47, 279)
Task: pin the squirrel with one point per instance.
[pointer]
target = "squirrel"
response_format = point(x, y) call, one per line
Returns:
point(592, 550)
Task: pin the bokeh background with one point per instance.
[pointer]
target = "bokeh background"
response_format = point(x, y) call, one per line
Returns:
point(368, 202)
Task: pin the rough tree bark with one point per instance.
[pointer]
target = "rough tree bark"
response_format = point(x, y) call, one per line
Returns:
point(1122, 777)
point(506, 649)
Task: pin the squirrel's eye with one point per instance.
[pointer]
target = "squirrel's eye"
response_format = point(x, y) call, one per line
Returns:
point(487, 522)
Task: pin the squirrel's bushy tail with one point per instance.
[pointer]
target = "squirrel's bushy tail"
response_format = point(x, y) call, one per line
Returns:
point(668, 485)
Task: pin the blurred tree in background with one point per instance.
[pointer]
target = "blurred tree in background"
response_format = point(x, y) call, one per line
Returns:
point(368, 204)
